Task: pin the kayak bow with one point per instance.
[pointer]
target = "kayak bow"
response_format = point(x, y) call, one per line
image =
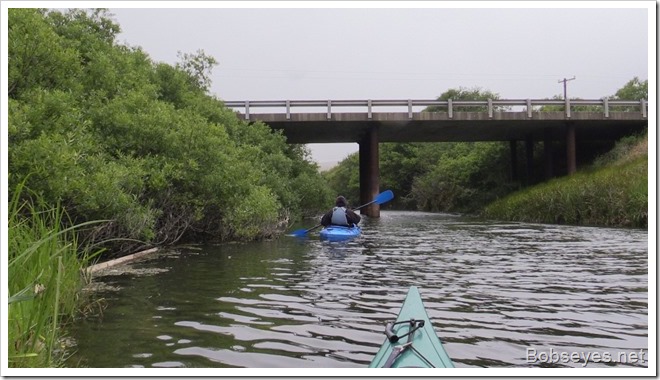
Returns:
point(411, 340)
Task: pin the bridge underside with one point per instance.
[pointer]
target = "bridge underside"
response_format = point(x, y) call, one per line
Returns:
point(462, 126)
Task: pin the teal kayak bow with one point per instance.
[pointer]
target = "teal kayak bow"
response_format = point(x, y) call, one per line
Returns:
point(410, 340)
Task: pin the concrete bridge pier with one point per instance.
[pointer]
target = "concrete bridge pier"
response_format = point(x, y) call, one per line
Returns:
point(547, 153)
point(570, 148)
point(513, 148)
point(369, 172)
point(529, 155)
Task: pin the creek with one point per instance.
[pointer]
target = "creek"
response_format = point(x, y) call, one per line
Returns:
point(498, 294)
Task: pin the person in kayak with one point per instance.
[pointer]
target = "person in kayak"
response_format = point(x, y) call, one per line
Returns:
point(340, 215)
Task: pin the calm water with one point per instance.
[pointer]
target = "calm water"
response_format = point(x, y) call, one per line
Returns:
point(496, 293)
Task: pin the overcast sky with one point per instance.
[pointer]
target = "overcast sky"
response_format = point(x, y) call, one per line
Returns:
point(417, 53)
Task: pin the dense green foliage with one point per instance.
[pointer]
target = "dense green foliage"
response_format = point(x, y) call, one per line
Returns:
point(451, 177)
point(44, 267)
point(612, 193)
point(109, 134)
point(464, 178)
point(633, 90)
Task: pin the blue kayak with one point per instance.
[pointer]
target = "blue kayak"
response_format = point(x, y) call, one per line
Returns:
point(335, 233)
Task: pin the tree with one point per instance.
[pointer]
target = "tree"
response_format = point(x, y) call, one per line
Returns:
point(102, 130)
point(463, 93)
point(38, 56)
point(633, 90)
point(344, 178)
point(400, 164)
point(449, 176)
point(562, 107)
point(198, 66)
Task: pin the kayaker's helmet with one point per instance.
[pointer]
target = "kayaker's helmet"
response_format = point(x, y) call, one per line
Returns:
point(341, 201)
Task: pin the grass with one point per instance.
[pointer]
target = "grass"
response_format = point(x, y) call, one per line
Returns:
point(44, 279)
point(614, 192)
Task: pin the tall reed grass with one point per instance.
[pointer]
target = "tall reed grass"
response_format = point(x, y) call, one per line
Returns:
point(615, 195)
point(44, 279)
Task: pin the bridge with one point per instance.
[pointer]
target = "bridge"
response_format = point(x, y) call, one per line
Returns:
point(457, 120)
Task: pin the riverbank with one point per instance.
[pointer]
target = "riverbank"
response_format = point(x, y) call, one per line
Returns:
point(613, 192)
point(44, 281)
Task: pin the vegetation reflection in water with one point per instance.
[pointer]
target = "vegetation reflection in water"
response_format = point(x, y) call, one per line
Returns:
point(494, 292)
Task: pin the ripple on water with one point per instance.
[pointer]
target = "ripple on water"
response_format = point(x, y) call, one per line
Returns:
point(492, 290)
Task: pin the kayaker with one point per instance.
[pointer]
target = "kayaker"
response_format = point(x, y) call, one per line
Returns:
point(340, 215)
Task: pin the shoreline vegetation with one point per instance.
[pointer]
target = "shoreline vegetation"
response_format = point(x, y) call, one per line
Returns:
point(100, 168)
point(45, 277)
point(613, 192)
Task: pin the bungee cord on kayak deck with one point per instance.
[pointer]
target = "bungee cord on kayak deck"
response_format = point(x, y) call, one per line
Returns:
point(422, 349)
point(393, 337)
point(415, 324)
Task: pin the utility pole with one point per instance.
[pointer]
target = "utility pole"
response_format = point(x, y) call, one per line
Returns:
point(565, 80)
point(570, 134)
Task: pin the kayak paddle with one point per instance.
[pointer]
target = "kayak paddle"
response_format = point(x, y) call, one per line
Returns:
point(381, 198)
point(303, 232)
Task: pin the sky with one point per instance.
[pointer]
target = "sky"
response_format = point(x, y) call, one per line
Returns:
point(407, 50)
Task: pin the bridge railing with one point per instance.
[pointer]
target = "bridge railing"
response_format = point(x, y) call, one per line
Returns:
point(493, 105)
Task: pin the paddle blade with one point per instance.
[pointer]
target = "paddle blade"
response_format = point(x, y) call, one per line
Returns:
point(381, 198)
point(301, 233)
point(385, 196)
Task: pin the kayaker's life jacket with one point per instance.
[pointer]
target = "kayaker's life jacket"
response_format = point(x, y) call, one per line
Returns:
point(339, 216)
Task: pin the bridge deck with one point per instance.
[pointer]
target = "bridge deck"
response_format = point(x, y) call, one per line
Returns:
point(302, 128)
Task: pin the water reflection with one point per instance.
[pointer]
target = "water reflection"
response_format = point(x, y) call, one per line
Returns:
point(493, 291)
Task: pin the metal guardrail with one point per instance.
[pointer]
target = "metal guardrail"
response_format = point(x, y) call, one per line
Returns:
point(606, 104)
